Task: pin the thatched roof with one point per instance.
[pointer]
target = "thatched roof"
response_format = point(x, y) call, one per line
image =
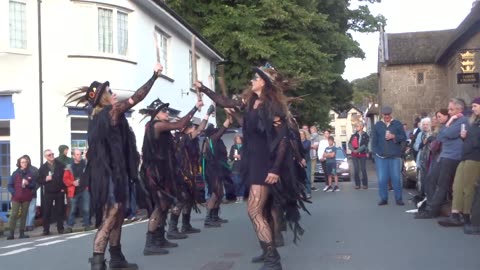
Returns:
point(416, 47)
point(469, 27)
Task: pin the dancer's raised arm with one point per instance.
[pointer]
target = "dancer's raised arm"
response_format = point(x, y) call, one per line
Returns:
point(219, 99)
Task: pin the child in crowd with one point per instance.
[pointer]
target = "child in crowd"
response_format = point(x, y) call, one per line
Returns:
point(331, 172)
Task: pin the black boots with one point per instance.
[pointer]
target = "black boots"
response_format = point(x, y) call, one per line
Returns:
point(454, 220)
point(173, 232)
point(215, 216)
point(186, 226)
point(278, 239)
point(117, 260)
point(152, 246)
point(98, 262)
point(261, 257)
point(209, 220)
point(11, 236)
point(23, 235)
point(161, 241)
point(272, 258)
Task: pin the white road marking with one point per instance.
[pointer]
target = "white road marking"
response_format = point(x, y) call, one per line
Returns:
point(78, 236)
point(18, 245)
point(50, 243)
point(16, 251)
point(48, 238)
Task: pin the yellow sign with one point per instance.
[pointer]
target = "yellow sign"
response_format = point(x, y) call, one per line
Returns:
point(467, 62)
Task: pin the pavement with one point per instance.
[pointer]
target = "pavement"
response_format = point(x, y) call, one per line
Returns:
point(346, 231)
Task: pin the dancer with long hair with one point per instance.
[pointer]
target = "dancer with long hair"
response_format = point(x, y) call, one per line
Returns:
point(111, 164)
point(269, 164)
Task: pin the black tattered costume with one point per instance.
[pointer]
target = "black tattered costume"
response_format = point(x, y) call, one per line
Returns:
point(160, 174)
point(270, 146)
point(112, 165)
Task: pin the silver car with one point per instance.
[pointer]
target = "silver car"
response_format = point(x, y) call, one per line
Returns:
point(343, 167)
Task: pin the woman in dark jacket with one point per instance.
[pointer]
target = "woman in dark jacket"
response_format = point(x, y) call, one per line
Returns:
point(20, 187)
point(269, 165)
point(306, 151)
point(236, 158)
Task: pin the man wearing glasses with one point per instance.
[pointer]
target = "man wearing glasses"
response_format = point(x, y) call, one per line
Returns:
point(387, 137)
point(50, 176)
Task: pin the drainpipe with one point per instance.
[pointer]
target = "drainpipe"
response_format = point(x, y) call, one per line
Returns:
point(40, 75)
point(40, 89)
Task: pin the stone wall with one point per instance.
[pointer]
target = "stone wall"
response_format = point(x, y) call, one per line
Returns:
point(398, 88)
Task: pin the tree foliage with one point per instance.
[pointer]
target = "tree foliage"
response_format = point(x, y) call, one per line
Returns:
point(307, 40)
point(365, 90)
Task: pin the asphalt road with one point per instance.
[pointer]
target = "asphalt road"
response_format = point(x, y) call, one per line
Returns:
point(346, 231)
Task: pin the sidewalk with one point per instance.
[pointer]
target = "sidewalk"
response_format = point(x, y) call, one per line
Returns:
point(38, 230)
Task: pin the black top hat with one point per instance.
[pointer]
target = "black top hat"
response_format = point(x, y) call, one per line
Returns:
point(264, 75)
point(95, 92)
point(154, 107)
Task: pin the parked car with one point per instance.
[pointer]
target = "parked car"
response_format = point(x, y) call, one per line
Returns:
point(409, 170)
point(343, 167)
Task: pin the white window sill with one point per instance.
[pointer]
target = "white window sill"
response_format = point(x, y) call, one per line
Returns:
point(16, 51)
point(112, 57)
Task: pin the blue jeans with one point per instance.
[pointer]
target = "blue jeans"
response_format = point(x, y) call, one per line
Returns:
point(132, 207)
point(308, 170)
point(239, 185)
point(31, 212)
point(84, 196)
point(389, 169)
point(360, 166)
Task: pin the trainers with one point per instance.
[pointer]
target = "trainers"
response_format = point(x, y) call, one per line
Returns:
point(335, 189)
point(68, 230)
point(314, 188)
point(382, 202)
point(327, 188)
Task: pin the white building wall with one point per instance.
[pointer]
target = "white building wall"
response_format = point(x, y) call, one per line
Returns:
point(71, 59)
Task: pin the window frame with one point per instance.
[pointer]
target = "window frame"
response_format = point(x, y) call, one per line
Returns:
point(115, 32)
point(23, 26)
point(164, 43)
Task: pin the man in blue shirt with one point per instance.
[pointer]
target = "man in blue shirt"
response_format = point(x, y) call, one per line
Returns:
point(450, 157)
point(387, 137)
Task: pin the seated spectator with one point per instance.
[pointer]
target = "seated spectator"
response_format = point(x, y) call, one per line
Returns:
point(468, 171)
point(20, 187)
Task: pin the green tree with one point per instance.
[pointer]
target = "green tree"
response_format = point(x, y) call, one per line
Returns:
point(365, 90)
point(308, 40)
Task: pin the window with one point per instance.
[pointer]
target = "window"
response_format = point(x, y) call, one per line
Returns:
point(343, 130)
point(122, 32)
point(108, 20)
point(18, 25)
point(420, 78)
point(79, 127)
point(105, 30)
point(4, 162)
point(163, 40)
point(332, 117)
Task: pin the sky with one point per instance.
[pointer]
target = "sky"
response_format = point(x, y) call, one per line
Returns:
point(404, 16)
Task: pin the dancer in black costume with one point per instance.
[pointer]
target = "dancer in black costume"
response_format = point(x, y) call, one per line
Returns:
point(111, 164)
point(160, 173)
point(187, 152)
point(270, 163)
point(214, 160)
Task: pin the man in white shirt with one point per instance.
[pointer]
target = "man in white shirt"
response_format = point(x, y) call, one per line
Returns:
point(321, 149)
point(315, 141)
